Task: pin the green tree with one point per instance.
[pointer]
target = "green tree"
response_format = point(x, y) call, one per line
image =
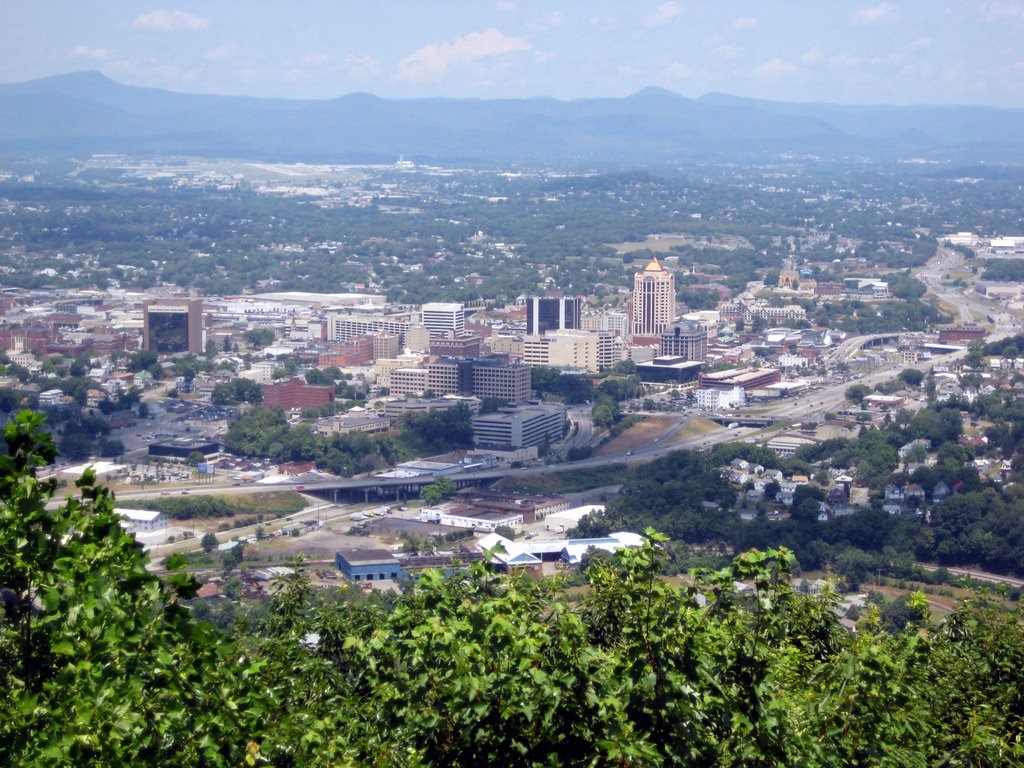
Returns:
point(437, 491)
point(912, 377)
point(209, 542)
point(857, 393)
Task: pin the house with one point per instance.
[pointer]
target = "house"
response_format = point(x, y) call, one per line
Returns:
point(913, 491)
point(905, 450)
point(941, 492)
point(142, 520)
point(894, 494)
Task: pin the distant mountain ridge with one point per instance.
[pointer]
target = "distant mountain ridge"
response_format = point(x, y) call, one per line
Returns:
point(88, 112)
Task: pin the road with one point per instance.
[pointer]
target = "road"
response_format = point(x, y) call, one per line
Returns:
point(977, 575)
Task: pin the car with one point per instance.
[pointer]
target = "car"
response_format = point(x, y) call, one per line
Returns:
point(184, 493)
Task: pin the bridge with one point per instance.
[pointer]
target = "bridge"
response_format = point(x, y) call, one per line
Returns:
point(368, 489)
point(759, 422)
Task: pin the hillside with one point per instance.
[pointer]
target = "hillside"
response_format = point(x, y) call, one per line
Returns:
point(87, 112)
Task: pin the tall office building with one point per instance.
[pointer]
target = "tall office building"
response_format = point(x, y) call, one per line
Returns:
point(553, 314)
point(173, 326)
point(686, 339)
point(654, 300)
point(444, 319)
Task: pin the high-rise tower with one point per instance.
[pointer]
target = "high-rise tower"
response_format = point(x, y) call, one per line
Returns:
point(654, 300)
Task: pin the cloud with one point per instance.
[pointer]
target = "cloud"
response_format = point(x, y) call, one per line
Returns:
point(431, 61)
point(744, 22)
point(680, 71)
point(97, 54)
point(663, 14)
point(847, 60)
point(775, 67)
point(921, 42)
point(996, 13)
point(170, 21)
point(552, 20)
point(361, 66)
point(811, 56)
point(719, 49)
point(316, 59)
point(883, 13)
point(605, 22)
point(507, 5)
point(222, 52)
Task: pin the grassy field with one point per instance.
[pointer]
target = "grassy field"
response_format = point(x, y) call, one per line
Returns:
point(694, 428)
point(637, 435)
point(661, 245)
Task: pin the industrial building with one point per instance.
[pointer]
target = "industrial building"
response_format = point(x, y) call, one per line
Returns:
point(368, 565)
point(182, 447)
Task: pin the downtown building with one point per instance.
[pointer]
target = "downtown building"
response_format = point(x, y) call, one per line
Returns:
point(444, 320)
point(296, 393)
point(471, 378)
point(654, 300)
point(553, 314)
point(169, 327)
point(686, 339)
point(520, 427)
point(592, 351)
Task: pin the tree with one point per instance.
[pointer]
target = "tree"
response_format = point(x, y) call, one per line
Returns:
point(912, 377)
point(76, 446)
point(86, 628)
point(975, 355)
point(209, 542)
point(195, 458)
point(437, 491)
point(857, 393)
point(110, 446)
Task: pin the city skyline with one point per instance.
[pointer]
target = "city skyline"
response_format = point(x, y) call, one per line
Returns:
point(854, 53)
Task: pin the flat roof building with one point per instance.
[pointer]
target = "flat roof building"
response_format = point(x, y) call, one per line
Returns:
point(520, 427)
point(296, 393)
point(368, 565)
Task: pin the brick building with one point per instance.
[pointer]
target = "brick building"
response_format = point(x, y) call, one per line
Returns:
point(296, 393)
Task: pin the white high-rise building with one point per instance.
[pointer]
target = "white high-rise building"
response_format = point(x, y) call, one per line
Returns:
point(444, 319)
point(654, 300)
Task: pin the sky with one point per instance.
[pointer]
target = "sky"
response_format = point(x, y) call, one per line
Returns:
point(909, 52)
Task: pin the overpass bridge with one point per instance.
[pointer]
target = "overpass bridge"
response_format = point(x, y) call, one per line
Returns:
point(368, 489)
point(759, 422)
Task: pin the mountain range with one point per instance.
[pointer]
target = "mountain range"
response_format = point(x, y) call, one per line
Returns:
point(87, 112)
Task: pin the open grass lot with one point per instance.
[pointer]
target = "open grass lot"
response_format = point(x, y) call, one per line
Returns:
point(637, 435)
point(694, 428)
point(660, 244)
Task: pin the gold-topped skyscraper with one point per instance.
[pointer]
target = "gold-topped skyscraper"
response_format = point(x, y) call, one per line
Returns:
point(654, 300)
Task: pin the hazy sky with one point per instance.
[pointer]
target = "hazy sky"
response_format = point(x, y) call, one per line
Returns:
point(901, 52)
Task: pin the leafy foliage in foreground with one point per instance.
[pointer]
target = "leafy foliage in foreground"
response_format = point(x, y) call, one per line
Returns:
point(102, 665)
